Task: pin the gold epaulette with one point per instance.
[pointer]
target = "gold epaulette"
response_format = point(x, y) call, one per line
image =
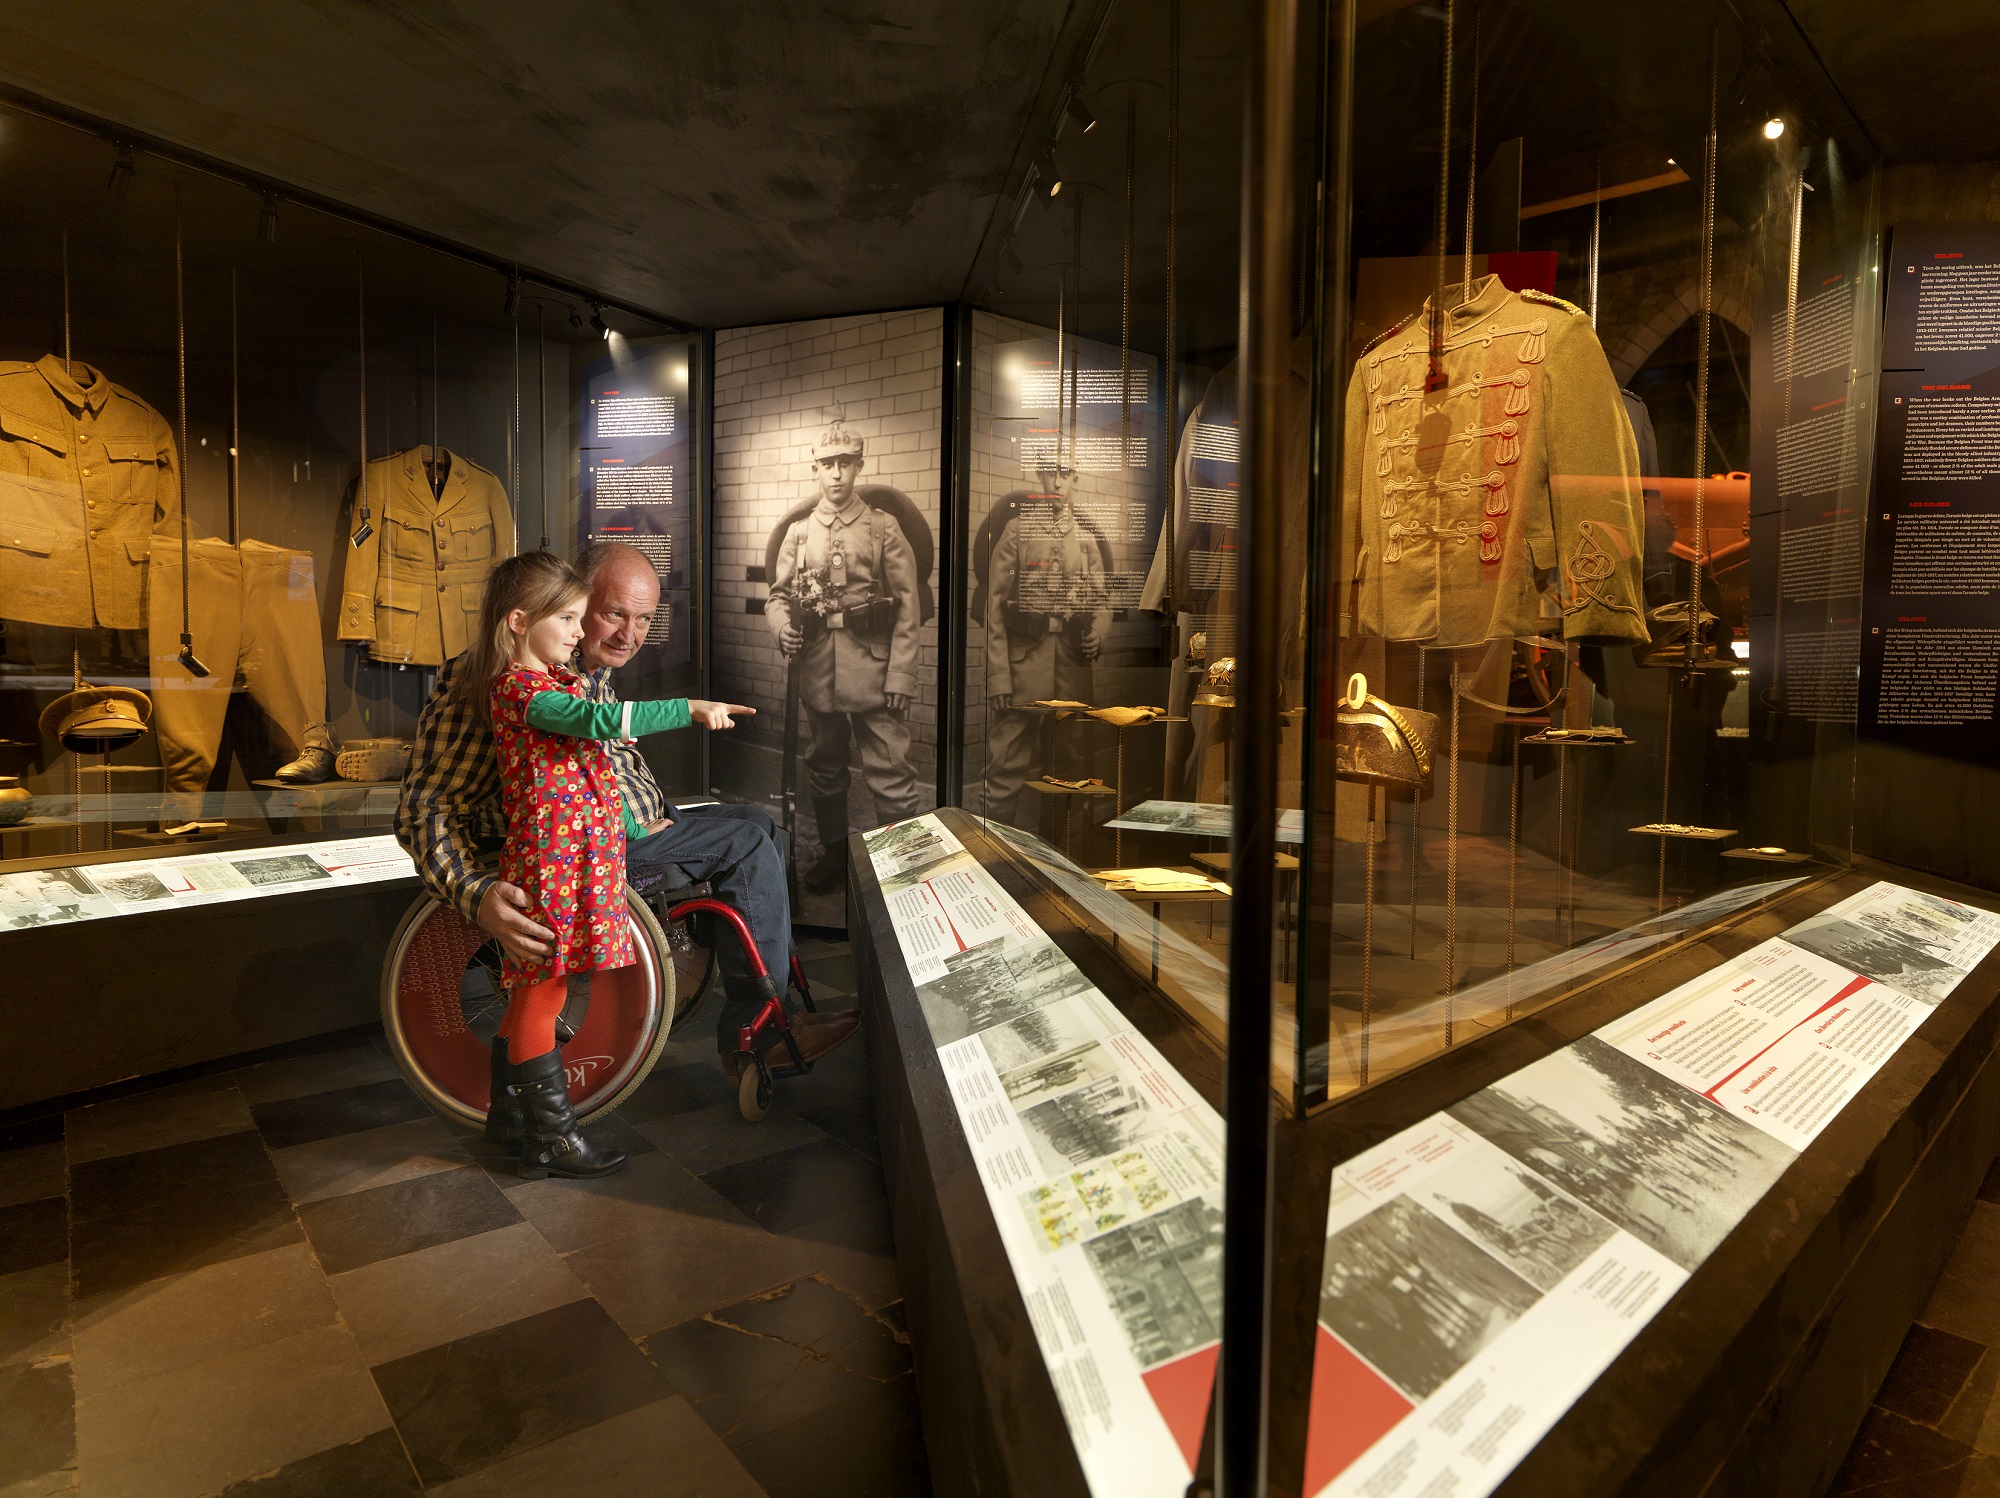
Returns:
point(1530, 294)
point(1384, 336)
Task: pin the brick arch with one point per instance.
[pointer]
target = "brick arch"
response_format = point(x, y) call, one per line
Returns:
point(1644, 340)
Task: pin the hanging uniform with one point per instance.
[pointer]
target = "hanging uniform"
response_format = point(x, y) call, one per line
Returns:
point(87, 478)
point(1504, 502)
point(413, 587)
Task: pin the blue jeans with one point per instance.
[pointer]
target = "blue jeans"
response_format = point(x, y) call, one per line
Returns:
point(734, 850)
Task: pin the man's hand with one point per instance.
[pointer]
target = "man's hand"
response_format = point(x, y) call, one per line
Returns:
point(500, 917)
point(718, 715)
point(896, 701)
point(790, 639)
point(1000, 701)
point(1093, 643)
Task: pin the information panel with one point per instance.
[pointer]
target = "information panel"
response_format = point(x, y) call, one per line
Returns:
point(1484, 1267)
point(634, 476)
point(1931, 646)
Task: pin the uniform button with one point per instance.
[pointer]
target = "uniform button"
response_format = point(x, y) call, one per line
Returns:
point(440, 587)
point(440, 566)
point(90, 504)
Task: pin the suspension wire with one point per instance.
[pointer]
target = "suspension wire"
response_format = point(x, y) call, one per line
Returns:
point(1170, 421)
point(187, 656)
point(1471, 154)
point(1435, 378)
point(235, 420)
point(542, 417)
point(1703, 330)
point(1596, 231)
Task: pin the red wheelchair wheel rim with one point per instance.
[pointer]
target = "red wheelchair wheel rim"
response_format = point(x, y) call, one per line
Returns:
point(441, 1010)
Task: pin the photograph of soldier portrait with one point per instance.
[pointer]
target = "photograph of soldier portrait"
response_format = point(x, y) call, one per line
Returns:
point(1046, 609)
point(845, 607)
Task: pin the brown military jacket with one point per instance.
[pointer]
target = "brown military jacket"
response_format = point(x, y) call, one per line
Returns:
point(87, 476)
point(851, 668)
point(413, 589)
point(1505, 503)
point(1048, 567)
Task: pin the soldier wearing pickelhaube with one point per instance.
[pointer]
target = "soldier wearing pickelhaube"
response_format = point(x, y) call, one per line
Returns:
point(844, 608)
point(1045, 615)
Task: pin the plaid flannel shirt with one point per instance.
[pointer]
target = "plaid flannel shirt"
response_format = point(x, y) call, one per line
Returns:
point(449, 819)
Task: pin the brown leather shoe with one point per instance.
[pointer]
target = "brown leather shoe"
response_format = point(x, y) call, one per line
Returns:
point(817, 1034)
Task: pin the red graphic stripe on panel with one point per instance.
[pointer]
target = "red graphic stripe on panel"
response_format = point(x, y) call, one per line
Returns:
point(1352, 1408)
point(1183, 1389)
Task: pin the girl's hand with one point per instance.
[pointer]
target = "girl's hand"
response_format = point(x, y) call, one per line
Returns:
point(718, 715)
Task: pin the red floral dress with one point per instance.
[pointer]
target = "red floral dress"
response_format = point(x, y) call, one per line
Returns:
point(565, 833)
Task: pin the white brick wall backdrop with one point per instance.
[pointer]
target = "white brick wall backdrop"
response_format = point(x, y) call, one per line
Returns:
point(776, 389)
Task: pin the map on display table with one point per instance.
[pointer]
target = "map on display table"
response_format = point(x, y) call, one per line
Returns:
point(90, 892)
point(1102, 1166)
point(1485, 1266)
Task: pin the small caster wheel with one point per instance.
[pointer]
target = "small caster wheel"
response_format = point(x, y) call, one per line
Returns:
point(753, 1094)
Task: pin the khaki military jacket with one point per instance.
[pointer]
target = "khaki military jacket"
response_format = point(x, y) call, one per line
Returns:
point(413, 589)
point(850, 661)
point(87, 476)
point(1505, 503)
point(1049, 568)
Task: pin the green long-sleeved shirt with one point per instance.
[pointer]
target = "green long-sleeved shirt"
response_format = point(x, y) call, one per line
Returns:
point(578, 718)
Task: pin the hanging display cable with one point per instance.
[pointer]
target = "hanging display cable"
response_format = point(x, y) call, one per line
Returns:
point(1075, 345)
point(365, 526)
point(1416, 810)
point(75, 648)
point(1435, 377)
point(1703, 332)
point(1169, 609)
point(542, 418)
point(514, 437)
point(1125, 413)
point(1596, 230)
point(437, 452)
point(188, 659)
point(1471, 156)
point(235, 420)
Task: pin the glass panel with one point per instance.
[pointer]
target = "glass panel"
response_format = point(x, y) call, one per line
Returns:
point(153, 699)
point(1590, 608)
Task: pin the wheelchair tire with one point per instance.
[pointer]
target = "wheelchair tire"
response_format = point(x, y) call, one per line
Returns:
point(442, 1003)
point(753, 1093)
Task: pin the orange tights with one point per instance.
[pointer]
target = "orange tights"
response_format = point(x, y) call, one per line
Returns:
point(530, 1025)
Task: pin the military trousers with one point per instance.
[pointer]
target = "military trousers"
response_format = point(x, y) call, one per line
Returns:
point(879, 741)
point(1015, 743)
point(254, 614)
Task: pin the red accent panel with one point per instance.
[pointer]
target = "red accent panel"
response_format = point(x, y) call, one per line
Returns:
point(1352, 1408)
point(1524, 270)
point(1183, 1390)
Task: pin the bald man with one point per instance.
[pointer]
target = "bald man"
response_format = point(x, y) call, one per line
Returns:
point(450, 822)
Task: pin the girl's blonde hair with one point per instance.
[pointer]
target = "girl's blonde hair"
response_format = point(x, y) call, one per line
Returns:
point(539, 584)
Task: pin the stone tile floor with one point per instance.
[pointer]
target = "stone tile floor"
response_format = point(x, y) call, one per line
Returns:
point(294, 1280)
point(1934, 1430)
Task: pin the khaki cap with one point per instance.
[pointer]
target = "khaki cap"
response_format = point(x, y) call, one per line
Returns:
point(837, 441)
point(97, 720)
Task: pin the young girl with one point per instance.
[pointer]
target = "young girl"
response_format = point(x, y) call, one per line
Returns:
point(566, 827)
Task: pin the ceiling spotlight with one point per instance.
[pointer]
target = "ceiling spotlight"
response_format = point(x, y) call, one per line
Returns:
point(513, 301)
point(1047, 171)
point(267, 219)
point(597, 320)
point(1080, 112)
point(1773, 128)
point(576, 319)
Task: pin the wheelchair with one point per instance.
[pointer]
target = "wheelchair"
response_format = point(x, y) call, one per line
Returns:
point(442, 1003)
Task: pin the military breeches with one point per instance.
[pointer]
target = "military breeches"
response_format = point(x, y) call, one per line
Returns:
point(254, 614)
point(879, 741)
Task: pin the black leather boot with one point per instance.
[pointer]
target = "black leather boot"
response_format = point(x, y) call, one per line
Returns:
point(551, 1142)
point(503, 1109)
point(829, 871)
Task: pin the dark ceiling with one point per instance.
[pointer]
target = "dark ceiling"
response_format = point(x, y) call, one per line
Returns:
point(765, 160)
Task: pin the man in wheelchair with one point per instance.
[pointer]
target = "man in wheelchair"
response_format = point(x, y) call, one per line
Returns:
point(450, 823)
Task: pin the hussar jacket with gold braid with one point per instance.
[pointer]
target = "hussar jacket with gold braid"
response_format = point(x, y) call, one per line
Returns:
point(1507, 501)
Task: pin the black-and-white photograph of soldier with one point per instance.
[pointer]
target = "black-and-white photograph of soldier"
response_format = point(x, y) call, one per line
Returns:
point(1045, 609)
point(845, 609)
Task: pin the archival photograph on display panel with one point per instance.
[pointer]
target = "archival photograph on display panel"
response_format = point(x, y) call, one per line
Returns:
point(984, 989)
point(1163, 1277)
point(1059, 1073)
point(1916, 943)
point(1087, 1123)
point(827, 473)
point(289, 868)
point(1516, 1216)
point(1663, 1163)
point(1416, 1299)
point(132, 888)
point(1035, 1038)
point(49, 897)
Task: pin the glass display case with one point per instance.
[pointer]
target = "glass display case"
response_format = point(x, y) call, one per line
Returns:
point(256, 462)
point(1571, 503)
